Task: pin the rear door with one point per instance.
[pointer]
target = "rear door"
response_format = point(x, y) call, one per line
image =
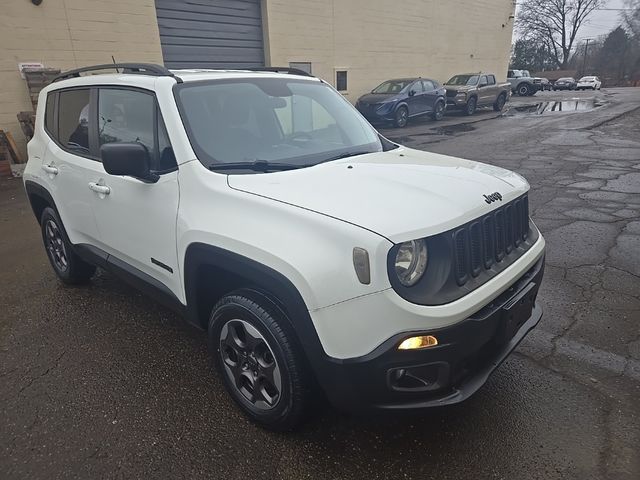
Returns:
point(430, 94)
point(70, 160)
point(416, 101)
point(484, 91)
point(136, 219)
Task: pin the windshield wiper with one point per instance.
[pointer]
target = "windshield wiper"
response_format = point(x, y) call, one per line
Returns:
point(345, 155)
point(256, 166)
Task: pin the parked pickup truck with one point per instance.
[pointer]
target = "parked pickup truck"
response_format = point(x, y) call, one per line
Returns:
point(523, 83)
point(471, 90)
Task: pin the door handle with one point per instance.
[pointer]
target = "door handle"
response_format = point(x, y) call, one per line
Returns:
point(102, 189)
point(50, 169)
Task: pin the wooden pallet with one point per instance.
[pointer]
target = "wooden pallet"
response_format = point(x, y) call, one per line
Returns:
point(6, 140)
point(37, 79)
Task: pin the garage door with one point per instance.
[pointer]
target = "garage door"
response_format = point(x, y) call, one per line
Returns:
point(210, 33)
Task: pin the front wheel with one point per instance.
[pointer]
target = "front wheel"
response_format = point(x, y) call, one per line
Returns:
point(438, 111)
point(402, 116)
point(524, 90)
point(67, 265)
point(500, 101)
point(261, 364)
point(471, 106)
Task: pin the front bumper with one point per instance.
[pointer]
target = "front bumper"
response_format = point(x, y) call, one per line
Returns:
point(466, 355)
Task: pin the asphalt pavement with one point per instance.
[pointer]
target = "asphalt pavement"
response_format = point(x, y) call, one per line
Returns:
point(101, 382)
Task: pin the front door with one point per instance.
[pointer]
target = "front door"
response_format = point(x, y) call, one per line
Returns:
point(137, 220)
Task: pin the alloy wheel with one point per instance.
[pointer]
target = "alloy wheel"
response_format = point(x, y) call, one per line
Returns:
point(55, 246)
point(439, 113)
point(250, 364)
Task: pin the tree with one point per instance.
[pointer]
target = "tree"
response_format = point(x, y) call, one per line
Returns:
point(554, 23)
point(631, 18)
point(613, 57)
point(530, 54)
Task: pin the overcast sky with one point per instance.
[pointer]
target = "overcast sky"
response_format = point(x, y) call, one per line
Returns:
point(602, 21)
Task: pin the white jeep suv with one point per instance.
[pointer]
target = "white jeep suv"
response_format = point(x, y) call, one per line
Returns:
point(321, 258)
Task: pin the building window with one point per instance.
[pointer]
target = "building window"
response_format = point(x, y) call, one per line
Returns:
point(341, 80)
point(304, 66)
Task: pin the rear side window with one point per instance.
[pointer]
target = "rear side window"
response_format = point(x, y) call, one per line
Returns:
point(73, 120)
point(492, 79)
point(49, 115)
point(428, 85)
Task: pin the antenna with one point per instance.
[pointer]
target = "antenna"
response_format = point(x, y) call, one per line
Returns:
point(115, 64)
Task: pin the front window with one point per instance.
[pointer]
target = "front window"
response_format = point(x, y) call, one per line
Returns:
point(279, 121)
point(464, 80)
point(392, 86)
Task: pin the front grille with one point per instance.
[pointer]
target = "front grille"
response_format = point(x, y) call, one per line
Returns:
point(451, 93)
point(490, 239)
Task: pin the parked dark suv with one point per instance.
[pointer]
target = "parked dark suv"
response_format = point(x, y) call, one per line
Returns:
point(398, 100)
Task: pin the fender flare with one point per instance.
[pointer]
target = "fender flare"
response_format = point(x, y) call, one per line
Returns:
point(35, 189)
point(401, 104)
point(271, 283)
point(259, 277)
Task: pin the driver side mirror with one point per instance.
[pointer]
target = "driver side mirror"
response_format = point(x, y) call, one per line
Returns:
point(130, 159)
point(412, 93)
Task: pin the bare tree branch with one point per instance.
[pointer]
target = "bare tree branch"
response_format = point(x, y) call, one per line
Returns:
point(555, 23)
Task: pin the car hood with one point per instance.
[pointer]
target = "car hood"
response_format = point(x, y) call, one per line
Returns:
point(458, 88)
point(401, 194)
point(377, 98)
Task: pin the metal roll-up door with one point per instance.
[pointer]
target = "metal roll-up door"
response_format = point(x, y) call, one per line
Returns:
point(210, 33)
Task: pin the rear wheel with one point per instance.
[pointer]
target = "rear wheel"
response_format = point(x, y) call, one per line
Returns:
point(402, 117)
point(472, 103)
point(258, 357)
point(67, 265)
point(500, 101)
point(438, 111)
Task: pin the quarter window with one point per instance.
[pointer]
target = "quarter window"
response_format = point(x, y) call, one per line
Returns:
point(74, 120)
point(49, 115)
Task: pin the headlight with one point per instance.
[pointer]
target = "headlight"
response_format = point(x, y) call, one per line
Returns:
point(386, 106)
point(411, 262)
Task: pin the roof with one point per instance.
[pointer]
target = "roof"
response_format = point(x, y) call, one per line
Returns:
point(146, 81)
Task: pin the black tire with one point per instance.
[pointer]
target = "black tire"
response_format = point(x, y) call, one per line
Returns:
point(471, 106)
point(500, 101)
point(269, 345)
point(438, 110)
point(401, 117)
point(524, 90)
point(67, 265)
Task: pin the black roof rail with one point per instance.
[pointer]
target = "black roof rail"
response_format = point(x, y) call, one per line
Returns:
point(288, 70)
point(135, 68)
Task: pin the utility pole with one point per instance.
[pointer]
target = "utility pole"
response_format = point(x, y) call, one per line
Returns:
point(584, 62)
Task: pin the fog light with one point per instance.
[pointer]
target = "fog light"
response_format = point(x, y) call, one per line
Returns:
point(416, 343)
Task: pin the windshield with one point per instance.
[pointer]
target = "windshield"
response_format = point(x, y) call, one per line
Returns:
point(392, 86)
point(297, 122)
point(463, 80)
point(566, 79)
point(587, 79)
